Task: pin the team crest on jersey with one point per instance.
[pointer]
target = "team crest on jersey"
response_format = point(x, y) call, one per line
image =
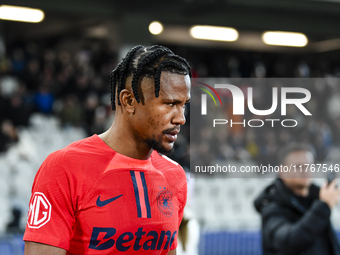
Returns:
point(39, 212)
point(164, 202)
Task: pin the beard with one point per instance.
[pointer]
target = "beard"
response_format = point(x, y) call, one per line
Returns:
point(156, 143)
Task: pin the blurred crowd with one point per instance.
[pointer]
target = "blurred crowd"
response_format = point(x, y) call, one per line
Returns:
point(74, 85)
point(70, 85)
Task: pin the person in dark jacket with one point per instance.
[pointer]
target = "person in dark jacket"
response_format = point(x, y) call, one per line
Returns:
point(296, 213)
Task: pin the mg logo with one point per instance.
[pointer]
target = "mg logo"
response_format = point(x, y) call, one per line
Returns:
point(40, 211)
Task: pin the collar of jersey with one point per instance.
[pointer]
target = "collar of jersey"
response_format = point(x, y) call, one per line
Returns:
point(120, 161)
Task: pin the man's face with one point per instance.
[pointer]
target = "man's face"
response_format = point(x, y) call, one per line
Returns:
point(299, 179)
point(157, 121)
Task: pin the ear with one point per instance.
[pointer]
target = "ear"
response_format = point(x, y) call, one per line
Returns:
point(127, 100)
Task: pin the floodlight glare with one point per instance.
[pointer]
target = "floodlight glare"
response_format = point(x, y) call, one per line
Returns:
point(284, 39)
point(214, 33)
point(155, 28)
point(23, 14)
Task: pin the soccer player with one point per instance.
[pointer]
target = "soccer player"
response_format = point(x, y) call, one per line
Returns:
point(116, 193)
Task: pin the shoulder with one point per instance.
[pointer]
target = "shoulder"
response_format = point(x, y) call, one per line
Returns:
point(273, 208)
point(90, 146)
point(63, 157)
point(76, 168)
point(78, 158)
point(273, 200)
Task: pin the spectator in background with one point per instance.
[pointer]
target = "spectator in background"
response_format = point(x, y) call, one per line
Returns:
point(8, 135)
point(32, 74)
point(18, 61)
point(44, 100)
point(72, 112)
point(18, 112)
point(296, 213)
point(189, 229)
point(188, 234)
point(14, 226)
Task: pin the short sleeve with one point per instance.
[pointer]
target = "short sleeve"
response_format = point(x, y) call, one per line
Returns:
point(51, 208)
point(182, 199)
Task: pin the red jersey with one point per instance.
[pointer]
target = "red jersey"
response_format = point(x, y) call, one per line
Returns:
point(89, 199)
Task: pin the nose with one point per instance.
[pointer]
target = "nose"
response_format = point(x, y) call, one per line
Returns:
point(179, 117)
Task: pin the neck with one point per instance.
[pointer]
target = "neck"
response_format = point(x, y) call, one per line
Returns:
point(120, 138)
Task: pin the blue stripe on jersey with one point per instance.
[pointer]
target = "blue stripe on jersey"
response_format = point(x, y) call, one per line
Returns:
point(146, 196)
point(135, 187)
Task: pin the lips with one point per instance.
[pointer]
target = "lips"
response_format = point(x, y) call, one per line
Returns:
point(172, 138)
point(172, 135)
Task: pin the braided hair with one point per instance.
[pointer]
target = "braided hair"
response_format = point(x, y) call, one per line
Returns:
point(142, 62)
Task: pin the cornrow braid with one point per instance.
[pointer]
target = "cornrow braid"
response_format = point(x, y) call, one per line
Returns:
point(181, 60)
point(162, 67)
point(143, 61)
point(146, 59)
point(124, 65)
point(117, 76)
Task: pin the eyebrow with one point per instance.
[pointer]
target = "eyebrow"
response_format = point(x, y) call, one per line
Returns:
point(175, 101)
